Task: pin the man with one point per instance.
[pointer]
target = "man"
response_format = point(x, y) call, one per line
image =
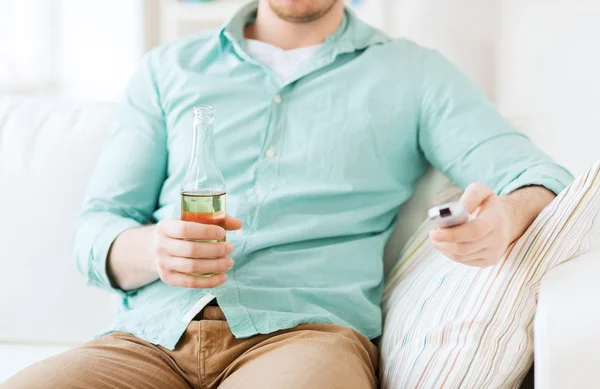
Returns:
point(323, 126)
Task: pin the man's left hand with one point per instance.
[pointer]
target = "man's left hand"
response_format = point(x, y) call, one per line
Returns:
point(482, 240)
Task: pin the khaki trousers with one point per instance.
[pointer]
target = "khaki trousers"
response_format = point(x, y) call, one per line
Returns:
point(320, 356)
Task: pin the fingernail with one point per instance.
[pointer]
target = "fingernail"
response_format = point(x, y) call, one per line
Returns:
point(230, 248)
point(434, 234)
point(230, 263)
point(223, 277)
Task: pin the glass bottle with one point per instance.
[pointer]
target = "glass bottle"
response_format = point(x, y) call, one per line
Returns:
point(203, 187)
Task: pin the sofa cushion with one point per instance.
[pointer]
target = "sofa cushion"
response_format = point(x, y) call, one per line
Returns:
point(454, 326)
point(15, 357)
point(48, 149)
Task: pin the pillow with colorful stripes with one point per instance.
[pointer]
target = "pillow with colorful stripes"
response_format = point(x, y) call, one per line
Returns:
point(447, 325)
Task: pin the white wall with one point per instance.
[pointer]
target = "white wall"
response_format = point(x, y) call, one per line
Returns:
point(371, 11)
point(550, 72)
point(28, 62)
point(101, 44)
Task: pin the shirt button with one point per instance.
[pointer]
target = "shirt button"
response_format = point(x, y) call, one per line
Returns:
point(270, 153)
point(277, 99)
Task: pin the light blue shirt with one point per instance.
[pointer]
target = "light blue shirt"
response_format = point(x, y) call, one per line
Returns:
point(315, 167)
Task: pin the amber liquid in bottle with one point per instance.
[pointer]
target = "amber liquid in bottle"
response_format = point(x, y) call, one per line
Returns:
point(204, 206)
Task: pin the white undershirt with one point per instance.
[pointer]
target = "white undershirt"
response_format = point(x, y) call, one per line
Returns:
point(283, 62)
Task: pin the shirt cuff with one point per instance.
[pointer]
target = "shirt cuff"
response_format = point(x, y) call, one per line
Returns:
point(552, 177)
point(97, 274)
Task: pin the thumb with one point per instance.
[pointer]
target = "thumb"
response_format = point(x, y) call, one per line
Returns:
point(474, 196)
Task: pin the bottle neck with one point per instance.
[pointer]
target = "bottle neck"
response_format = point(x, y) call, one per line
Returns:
point(203, 173)
point(203, 151)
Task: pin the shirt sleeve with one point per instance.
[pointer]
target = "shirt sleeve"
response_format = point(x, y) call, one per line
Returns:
point(124, 189)
point(463, 136)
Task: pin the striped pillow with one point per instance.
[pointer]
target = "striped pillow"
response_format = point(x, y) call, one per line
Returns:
point(453, 326)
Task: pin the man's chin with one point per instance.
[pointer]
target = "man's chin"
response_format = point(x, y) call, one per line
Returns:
point(301, 11)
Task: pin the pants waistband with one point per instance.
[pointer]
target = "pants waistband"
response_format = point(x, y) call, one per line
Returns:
point(211, 312)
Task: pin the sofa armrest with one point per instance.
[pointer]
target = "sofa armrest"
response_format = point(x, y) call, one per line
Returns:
point(567, 325)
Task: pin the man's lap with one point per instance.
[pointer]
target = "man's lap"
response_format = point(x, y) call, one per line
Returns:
point(209, 356)
point(321, 355)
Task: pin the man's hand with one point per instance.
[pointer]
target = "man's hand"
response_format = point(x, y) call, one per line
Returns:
point(177, 259)
point(496, 223)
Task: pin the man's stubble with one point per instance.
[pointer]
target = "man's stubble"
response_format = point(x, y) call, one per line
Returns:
point(301, 11)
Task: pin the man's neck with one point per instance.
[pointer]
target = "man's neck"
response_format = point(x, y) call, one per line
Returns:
point(271, 29)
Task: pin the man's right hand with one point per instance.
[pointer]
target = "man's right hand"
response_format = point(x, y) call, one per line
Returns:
point(177, 259)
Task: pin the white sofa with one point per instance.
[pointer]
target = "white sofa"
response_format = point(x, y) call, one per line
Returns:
point(47, 152)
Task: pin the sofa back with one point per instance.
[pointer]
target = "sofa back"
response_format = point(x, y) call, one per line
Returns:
point(48, 150)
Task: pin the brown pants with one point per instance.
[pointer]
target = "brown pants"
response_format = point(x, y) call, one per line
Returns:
point(321, 356)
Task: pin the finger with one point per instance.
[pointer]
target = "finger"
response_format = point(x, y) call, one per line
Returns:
point(179, 229)
point(481, 262)
point(191, 249)
point(491, 257)
point(474, 196)
point(464, 249)
point(468, 258)
point(470, 231)
point(200, 266)
point(190, 281)
point(232, 223)
point(447, 250)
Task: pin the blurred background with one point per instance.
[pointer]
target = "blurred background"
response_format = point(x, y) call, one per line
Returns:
point(538, 60)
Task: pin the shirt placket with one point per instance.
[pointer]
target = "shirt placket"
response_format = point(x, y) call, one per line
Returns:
point(266, 167)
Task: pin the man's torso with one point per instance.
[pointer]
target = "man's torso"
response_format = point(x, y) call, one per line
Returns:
point(315, 168)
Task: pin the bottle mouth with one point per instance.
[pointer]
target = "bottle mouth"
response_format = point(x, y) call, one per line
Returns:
point(204, 113)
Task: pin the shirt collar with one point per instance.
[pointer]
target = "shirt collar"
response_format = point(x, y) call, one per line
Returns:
point(352, 35)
